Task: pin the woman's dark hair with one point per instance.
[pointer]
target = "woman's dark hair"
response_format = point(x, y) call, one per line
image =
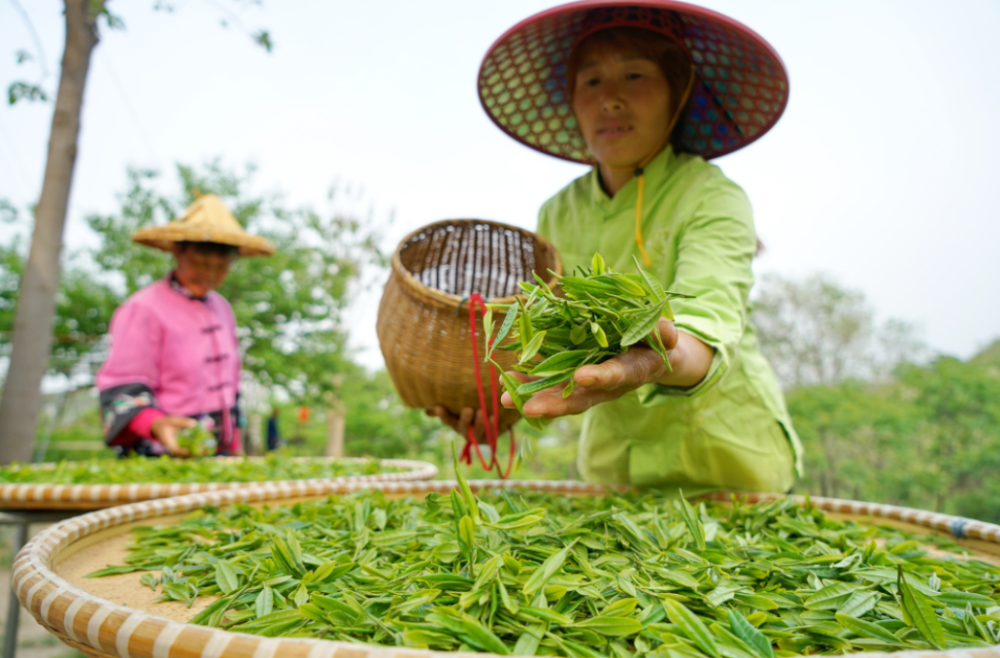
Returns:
point(210, 249)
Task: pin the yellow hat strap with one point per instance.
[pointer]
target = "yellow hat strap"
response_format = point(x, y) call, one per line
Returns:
point(640, 171)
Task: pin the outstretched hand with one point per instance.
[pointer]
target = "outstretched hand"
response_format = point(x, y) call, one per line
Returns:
point(689, 360)
point(461, 423)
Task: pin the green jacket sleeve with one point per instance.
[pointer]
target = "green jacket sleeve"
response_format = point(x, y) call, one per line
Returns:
point(715, 246)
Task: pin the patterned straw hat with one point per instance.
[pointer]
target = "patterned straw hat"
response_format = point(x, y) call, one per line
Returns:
point(206, 220)
point(740, 85)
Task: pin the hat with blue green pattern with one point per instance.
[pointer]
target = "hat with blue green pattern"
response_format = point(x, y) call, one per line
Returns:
point(740, 87)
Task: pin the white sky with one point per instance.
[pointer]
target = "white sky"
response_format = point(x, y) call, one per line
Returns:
point(880, 172)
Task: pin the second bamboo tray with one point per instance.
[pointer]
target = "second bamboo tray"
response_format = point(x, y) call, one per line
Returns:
point(99, 496)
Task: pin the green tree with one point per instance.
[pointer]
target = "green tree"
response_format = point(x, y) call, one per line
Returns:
point(961, 401)
point(928, 438)
point(83, 310)
point(378, 424)
point(852, 430)
point(815, 331)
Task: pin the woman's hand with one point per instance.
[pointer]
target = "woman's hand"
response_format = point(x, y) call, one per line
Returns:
point(689, 359)
point(166, 428)
point(462, 422)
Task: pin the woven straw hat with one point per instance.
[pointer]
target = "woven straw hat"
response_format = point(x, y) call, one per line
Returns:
point(206, 220)
point(740, 83)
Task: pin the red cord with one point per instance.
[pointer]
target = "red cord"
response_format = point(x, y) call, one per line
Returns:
point(491, 425)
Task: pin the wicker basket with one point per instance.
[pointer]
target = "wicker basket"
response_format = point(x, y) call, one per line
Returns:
point(99, 496)
point(101, 626)
point(423, 320)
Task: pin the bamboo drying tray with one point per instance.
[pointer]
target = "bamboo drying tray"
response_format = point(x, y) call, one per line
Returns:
point(98, 496)
point(423, 318)
point(47, 574)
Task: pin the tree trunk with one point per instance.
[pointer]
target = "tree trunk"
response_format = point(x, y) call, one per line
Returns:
point(32, 335)
point(335, 431)
point(255, 443)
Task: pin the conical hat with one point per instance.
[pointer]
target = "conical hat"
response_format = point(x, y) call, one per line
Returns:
point(740, 83)
point(206, 220)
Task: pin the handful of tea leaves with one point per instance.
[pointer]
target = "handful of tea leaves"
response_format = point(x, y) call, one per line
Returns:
point(199, 440)
point(599, 315)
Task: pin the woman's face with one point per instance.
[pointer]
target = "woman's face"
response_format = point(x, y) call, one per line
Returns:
point(201, 273)
point(622, 103)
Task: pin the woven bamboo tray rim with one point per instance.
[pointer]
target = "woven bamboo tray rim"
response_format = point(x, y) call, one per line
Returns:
point(98, 496)
point(101, 628)
point(446, 300)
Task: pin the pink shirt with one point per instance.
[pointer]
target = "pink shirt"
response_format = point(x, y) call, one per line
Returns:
point(184, 349)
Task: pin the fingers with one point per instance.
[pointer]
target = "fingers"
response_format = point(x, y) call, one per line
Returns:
point(668, 333)
point(551, 404)
point(169, 442)
point(461, 423)
point(632, 370)
point(446, 416)
point(182, 422)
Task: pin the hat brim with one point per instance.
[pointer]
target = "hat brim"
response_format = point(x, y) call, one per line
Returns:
point(164, 237)
point(740, 88)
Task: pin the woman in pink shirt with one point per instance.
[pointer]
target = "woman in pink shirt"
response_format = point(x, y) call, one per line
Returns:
point(174, 357)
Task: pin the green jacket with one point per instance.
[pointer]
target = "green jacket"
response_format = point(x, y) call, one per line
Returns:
point(731, 431)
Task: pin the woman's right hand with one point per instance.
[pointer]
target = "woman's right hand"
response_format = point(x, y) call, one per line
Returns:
point(165, 430)
point(462, 422)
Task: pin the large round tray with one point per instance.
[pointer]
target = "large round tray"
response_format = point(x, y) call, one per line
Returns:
point(47, 577)
point(98, 496)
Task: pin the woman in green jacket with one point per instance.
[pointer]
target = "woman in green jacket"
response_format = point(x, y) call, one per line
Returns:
point(645, 94)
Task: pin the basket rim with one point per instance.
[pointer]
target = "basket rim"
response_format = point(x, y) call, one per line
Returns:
point(410, 282)
point(52, 496)
point(38, 588)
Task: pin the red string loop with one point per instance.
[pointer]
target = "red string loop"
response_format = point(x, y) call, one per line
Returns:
point(491, 423)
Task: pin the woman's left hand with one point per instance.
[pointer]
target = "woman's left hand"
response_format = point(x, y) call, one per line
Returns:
point(603, 382)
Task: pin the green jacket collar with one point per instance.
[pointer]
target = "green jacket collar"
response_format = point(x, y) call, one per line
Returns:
point(656, 172)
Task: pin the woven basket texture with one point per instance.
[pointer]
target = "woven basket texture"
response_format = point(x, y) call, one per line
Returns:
point(99, 496)
point(102, 628)
point(423, 319)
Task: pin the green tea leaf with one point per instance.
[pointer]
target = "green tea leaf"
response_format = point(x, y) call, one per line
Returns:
point(746, 632)
point(613, 626)
point(643, 325)
point(868, 629)
point(544, 573)
point(692, 626)
point(859, 603)
point(488, 324)
point(225, 577)
point(620, 608)
point(597, 264)
point(529, 388)
point(921, 614)
point(557, 363)
point(531, 349)
point(599, 335)
point(264, 603)
point(962, 599)
point(692, 521)
point(831, 597)
point(505, 327)
point(111, 571)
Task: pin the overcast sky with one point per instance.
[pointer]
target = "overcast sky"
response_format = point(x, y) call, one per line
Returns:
point(882, 172)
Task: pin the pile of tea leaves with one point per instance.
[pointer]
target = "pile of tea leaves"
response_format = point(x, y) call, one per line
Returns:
point(163, 470)
point(530, 573)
